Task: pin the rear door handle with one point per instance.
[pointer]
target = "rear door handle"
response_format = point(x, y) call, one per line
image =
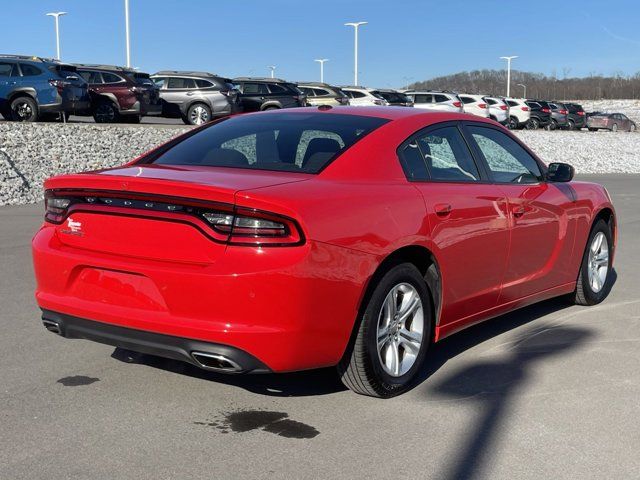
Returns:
point(442, 209)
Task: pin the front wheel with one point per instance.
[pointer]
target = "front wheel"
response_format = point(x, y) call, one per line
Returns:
point(392, 337)
point(614, 127)
point(198, 114)
point(513, 123)
point(533, 124)
point(106, 112)
point(24, 109)
point(594, 279)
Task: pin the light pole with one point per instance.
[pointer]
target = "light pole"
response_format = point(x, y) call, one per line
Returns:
point(126, 29)
point(524, 95)
point(272, 68)
point(57, 16)
point(508, 59)
point(355, 26)
point(321, 62)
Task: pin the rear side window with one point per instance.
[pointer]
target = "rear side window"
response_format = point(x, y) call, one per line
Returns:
point(204, 84)
point(356, 94)
point(441, 155)
point(279, 89)
point(490, 101)
point(320, 92)
point(293, 142)
point(177, 83)
point(511, 103)
point(422, 98)
point(441, 98)
point(29, 70)
point(111, 78)
point(6, 69)
point(507, 160)
point(160, 82)
point(466, 100)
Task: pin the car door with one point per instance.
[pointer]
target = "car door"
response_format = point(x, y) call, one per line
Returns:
point(5, 82)
point(541, 224)
point(253, 95)
point(178, 92)
point(468, 220)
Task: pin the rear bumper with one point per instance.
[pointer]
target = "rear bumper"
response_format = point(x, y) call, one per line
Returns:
point(167, 346)
point(289, 308)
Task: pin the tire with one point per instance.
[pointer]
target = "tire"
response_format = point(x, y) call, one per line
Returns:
point(614, 127)
point(572, 125)
point(632, 127)
point(362, 368)
point(593, 129)
point(533, 124)
point(553, 125)
point(272, 107)
point(513, 123)
point(593, 286)
point(198, 114)
point(24, 109)
point(106, 112)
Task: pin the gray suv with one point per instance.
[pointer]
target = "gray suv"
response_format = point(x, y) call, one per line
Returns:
point(196, 97)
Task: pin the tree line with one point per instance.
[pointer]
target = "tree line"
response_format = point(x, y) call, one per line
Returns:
point(494, 82)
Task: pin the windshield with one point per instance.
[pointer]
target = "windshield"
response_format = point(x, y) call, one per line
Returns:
point(292, 142)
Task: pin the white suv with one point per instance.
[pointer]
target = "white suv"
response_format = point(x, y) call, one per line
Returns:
point(519, 113)
point(474, 104)
point(362, 97)
point(498, 110)
point(439, 101)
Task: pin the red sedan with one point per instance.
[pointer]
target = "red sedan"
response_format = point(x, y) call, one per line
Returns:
point(314, 237)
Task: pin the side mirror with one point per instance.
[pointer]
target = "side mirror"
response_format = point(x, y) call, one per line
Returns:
point(560, 172)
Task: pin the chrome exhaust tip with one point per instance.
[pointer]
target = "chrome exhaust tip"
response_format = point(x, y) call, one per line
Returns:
point(216, 362)
point(52, 326)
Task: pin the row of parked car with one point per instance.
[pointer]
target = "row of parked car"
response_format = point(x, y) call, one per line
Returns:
point(34, 88)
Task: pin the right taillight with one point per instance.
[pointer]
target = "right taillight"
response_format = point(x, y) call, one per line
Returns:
point(482, 105)
point(581, 114)
point(546, 110)
point(58, 84)
point(55, 208)
point(457, 104)
point(525, 109)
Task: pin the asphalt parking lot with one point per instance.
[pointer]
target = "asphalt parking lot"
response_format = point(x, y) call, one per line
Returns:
point(550, 391)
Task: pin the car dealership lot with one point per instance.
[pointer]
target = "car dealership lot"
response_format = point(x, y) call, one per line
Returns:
point(546, 392)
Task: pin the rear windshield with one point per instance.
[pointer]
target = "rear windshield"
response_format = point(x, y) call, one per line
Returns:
point(291, 142)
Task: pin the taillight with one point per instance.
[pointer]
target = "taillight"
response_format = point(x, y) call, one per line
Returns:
point(503, 107)
point(55, 208)
point(581, 114)
point(457, 104)
point(563, 112)
point(482, 105)
point(59, 84)
point(525, 109)
point(245, 226)
point(546, 110)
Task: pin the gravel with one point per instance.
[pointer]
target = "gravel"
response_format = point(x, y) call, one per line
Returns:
point(30, 153)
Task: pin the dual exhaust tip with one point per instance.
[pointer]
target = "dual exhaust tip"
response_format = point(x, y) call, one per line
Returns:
point(207, 361)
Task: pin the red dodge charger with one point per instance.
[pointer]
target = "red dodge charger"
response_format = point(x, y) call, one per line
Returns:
point(291, 240)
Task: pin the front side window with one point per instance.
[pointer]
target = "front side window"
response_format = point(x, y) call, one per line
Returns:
point(90, 77)
point(440, 154)
point(160, 82)
point(508, 161)
point(421, 98)
point(293, 142)
point(254, 88)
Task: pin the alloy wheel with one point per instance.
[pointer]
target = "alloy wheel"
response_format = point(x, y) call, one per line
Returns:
point(23, 110)
point(199, 115)
point(400, 329)
point(598, 266)
point(104, 113)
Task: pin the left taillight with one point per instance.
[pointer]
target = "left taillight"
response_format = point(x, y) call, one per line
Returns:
point(457, 104)
point(58, 84)
point(503, 107)
point(56, 208)
point(245, 226)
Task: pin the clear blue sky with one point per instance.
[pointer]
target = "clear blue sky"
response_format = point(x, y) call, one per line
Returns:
point(414, 39)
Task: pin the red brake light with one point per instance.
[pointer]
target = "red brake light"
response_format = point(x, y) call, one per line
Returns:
point(525, 109)
point(482, 105)
point(563, 112)
point(457, 104)
point(581, 113)
point(503, 107)
point(546, 110)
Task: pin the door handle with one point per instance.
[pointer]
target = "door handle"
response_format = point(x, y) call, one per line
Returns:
point(518, 211)
point(442, 209)
point(190, 94)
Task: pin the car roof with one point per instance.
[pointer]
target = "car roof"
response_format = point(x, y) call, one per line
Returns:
point(185, 73)
point(260, 79)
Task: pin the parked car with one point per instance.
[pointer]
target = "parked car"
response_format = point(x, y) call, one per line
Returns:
point(577, 116)
point(323, 94)
point(363, 97)
point(559, 116)
point(257, 93)
point(352, 243)
point(196, 97)
point(610, 121)
point(540, 114)
point(436, 100)
point(519, 113)
point(474, 105)
point(119, 93)
point(33, 88)
point(498, 109)
point(393, 97)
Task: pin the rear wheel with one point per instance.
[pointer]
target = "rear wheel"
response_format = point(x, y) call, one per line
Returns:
point(614, 127)
point(594, 279)
point(553, 125)
point(572, 125)
point(632, 127)
point(533, 124)
point(197, 114)
point(513, 123)
point(24, 109)
point(106, 112)
point(272, 107)
point(392, 337)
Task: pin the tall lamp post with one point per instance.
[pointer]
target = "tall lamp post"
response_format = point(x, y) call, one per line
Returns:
point(508, 59)
point(57, 16)
point(355, 26)
point(126, 30)
point(524, 87)
point(272, 68)
point(321, 62)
